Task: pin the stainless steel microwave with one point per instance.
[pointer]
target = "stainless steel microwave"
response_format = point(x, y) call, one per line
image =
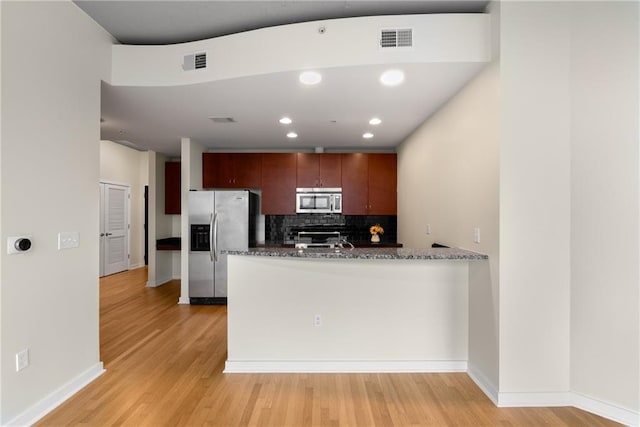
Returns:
point(318, 200)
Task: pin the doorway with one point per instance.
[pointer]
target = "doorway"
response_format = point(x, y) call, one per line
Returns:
point(114, 228)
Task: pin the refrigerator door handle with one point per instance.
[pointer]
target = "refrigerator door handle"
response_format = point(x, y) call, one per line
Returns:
point(215, 237)
point(211, 222)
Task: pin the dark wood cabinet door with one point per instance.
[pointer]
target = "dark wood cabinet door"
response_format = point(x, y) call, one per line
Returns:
point(209, 170)
point(307, 170)
point(278, 183)
point(225, 173)
point(216, 170)
point(355, 188)
point(330, 170)
point(172, 205)
point(247, 170)
point(383, 188)
point(319, 170)
point(231, 170)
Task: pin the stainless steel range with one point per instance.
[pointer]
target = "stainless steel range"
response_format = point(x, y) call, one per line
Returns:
point(318, 239)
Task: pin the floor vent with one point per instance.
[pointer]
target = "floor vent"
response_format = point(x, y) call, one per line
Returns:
point(194, 61)
point(396, 38)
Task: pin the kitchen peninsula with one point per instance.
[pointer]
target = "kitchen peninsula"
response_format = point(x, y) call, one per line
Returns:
point(341, 310)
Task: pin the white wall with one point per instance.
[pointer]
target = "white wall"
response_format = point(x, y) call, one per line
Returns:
point(124, 165)
point(151, 225)
point(166, 264)
point(398, 315)
point(448, 178)
point(605, 322)
point(53, 58)
point(534, 198)
point(569, 303)
point(568, 300)
point(441, 38)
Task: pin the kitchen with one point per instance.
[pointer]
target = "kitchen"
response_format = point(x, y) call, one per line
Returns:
point(473, 177)
point(360, 169)
point(525, 120)
point(367, 180)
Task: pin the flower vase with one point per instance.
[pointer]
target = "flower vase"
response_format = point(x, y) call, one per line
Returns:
point(375, 238)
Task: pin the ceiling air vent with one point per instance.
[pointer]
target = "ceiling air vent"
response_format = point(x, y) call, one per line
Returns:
point(195, 61)
point(222, 119)
point(396, 38)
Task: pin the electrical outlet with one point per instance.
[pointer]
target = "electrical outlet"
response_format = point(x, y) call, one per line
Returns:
point(22, 359)
point(476, 235)
point(428, 229)
point(317, 320)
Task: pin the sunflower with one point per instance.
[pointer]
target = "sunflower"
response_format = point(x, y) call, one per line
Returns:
point(376, 229)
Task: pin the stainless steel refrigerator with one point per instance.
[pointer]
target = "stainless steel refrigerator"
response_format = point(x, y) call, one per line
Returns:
point(218, 220)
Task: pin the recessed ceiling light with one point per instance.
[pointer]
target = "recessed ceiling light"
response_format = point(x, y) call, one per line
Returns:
point(367, 135)
point(310, 77)
point(392, 77)
point(292, 135)
point(286, 121)
point(375, 121)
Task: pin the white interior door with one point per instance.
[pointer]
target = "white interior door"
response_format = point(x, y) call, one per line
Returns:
point(102, 229)
point(115, 227)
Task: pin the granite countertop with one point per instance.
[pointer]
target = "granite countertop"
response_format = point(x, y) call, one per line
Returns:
point(364, 253)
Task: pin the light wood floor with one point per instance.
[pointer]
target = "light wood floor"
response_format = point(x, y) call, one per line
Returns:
point(164, 366)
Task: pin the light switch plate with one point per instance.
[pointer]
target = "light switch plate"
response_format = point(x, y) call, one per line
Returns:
point(68, 239)
point(476, 235)
point(22, 359)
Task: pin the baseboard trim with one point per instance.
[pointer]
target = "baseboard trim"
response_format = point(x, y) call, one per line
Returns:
point(487, 387)
point(606, 410)
point(548, 399)
point(159, 282)
point(38, 410)
point(184, 300)
point(347, 366)
point(577, 400)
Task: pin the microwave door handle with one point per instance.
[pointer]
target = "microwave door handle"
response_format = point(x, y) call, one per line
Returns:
point(215, 238)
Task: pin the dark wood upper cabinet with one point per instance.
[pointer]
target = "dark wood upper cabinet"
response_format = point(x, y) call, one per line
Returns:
point(355, 188)
point(247, 169)
point(211, 170)
point(368, 181)
point(369, 184)
point(318, 170)
point(231, 170)
point(383, 187)
point(172, 205)
point(278, 183)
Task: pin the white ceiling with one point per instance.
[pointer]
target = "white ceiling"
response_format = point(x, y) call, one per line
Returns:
point(333, 115)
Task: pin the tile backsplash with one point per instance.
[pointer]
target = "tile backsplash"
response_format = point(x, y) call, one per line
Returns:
point(283, 229)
